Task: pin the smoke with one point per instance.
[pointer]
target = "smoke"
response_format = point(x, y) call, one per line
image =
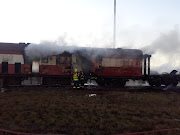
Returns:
point(47, 48)
point(84, 55)
point(63, 44)
point(166, 43)
point(165, 51)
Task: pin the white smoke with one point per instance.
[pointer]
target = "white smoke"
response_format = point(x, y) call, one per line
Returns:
point(166, 43)
point(48, 48)
point(62, 44)
point(165, 51)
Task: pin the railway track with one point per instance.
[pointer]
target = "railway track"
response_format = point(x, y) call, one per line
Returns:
point(98, 89)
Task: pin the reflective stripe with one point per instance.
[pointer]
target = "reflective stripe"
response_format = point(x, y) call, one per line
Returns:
point(75, 77)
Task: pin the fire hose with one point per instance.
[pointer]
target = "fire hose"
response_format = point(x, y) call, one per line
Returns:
point(137, 133)
point(9, 132)
point(152, 132)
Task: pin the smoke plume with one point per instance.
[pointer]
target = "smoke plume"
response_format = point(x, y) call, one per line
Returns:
point(165, 43)
point(47, 48)
point(165, 51)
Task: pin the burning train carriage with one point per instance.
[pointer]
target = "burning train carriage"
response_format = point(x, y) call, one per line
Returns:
point(51, 70)
point(16, 68)
point(110, 66)
point(106, 66)
point(115, 66)
point(56, 69)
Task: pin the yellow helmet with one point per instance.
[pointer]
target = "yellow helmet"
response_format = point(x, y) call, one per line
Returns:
point(75, 70)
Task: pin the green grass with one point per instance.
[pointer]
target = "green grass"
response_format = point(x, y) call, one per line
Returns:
point(38, 111)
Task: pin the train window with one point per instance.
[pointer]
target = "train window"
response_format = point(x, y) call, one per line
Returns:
point(131, 62)
point(65, 60)
point(137, 63)
point(125, 62)
point(113, 62)
point(44, 60)
point(17, 67)
point(62, 60)
point(106, 62)
point(4, 67)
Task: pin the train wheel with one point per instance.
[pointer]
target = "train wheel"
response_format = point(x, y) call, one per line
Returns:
point(100, 81)
point(175, 83)
point(108, 82)
point(157, 82)
point(151, 82)
point(121, 82)
point(14, 81)
point(1, 82)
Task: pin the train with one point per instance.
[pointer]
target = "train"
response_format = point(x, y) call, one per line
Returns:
point(107, 66)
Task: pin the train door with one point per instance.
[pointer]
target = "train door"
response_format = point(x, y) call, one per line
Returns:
point(17, 68)
point(76, 63)
point(35, 67)
point(81, 63)
point(4, 67)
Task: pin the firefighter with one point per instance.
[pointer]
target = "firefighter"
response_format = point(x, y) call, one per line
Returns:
point(76, 80)
point(81, 79)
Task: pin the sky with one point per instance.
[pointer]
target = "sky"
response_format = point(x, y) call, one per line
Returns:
point(139, 24)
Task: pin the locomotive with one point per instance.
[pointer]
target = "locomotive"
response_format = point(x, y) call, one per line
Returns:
point(107, 66)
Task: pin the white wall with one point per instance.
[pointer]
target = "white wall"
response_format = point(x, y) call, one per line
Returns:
point(11, 58)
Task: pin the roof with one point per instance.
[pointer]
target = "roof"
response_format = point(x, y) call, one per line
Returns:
point(12, 48)
point(112, 52)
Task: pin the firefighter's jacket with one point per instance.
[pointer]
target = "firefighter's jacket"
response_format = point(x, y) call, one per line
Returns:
point(75, 77)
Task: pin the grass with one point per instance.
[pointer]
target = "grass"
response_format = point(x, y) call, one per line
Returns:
point(40, 111)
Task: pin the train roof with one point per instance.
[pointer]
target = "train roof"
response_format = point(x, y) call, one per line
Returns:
point(113, 52)
point(12, 48)
point(18, 48)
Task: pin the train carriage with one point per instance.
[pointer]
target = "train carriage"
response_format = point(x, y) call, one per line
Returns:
point(107, 66)
point(116, 66)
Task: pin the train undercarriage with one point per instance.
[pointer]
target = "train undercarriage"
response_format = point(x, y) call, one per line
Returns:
point(54, 80)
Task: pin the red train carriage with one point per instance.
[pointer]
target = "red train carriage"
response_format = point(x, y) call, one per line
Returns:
point(51, 70)
point(11, 62)
point(16, 68)
point(107, 66)
point(115, 66)
point(56, 69)
point(120, 62)
point(111, 66)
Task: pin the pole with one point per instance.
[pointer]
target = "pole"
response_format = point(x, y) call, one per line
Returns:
point(114, 23)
